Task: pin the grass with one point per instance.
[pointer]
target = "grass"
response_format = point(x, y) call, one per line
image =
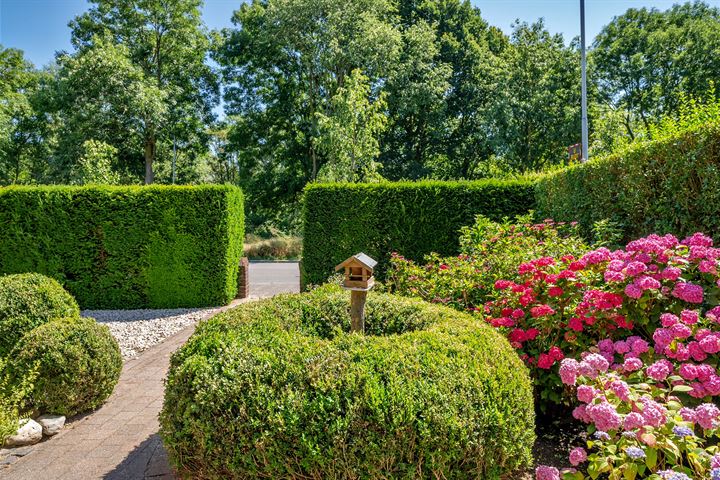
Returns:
point(275, 248)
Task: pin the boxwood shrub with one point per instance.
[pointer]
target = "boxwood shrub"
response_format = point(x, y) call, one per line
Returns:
point(668, 185)
point(411, 218)
point(127, 247)
point(279, 389)
point(77, 361)
point(27, 301)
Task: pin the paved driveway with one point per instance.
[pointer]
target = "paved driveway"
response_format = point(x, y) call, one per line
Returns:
point(270, 278)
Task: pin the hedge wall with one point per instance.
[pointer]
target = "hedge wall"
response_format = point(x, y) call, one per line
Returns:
point(670, 185)
point(411, 218)
point(127, 247)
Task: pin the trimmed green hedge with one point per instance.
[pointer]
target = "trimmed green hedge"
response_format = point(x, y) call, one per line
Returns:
point(411, 218)
point(280, 389)
point(127, 247)
point(670, 185)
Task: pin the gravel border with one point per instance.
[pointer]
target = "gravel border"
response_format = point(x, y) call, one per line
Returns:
point(138, 330)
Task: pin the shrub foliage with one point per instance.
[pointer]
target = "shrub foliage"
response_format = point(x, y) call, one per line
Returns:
point(78, 364)
point(489, 251)
point(29, 300)
point(278, 389)
point(669, 185)
point(127, 247)
point(413, 219)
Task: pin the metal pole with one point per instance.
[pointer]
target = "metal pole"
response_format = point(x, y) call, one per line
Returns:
point(173, 160)
point(583, 61)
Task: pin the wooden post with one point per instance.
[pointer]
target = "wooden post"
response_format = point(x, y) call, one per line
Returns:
point(357, 310)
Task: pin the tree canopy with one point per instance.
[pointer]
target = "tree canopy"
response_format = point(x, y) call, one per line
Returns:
point(348, 90)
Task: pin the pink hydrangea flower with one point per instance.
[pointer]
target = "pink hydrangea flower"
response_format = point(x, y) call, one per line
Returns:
point(577, 456)
point(569, 371)
point(586, 393)
point(635, 268)
point(621, 389)
point(597, 362)
point(710, 344)
point(541, 311)
point(680, 330)
point(621, 347)
point(707, 415)
point(688, 292)
point(654, 414)
point(671, 273)
point(687, 414)
point(659, 370)
point(633, 291)
point(543, 472)
point(632, 364)
point(604, 416)
point(667, 320)
point(689, 317)
point(688, 371)
point(647, 283)
point(633, 420)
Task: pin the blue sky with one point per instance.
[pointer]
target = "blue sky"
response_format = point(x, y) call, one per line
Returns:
point(39, 27)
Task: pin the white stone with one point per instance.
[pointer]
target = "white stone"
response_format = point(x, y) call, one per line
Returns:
point(51, 424)
point(30, 432)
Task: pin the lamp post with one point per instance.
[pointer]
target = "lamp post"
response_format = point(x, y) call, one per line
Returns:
point(583, 68)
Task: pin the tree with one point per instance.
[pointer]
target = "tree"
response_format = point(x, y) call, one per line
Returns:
point(95, 166)
point(168, 42)
point(283, 64)
point(536, 113)
point(21, 145)
point(417, 104)
point(100, 94)
point(645, 59)
point(349, 132)
point(473, 50)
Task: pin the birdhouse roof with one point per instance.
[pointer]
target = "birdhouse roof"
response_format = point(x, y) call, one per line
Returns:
point(360, 258)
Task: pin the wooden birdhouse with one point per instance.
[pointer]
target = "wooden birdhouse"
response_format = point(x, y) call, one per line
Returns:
point(358, 272)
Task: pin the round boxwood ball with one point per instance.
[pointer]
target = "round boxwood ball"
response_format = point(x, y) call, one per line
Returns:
point(280, 389)
point(77, 361)
point(28, 300)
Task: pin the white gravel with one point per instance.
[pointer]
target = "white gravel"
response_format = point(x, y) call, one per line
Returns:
point(138, 330)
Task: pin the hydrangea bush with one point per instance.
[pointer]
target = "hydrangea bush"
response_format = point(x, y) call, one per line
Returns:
point(559, 307)
point(489, 251)
point(651, 414)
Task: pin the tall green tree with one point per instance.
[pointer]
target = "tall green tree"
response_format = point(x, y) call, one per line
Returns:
point(21, 131)
point(283, 63)
point(536, 113)
point(100, 95)
point(417, 89)
point(472, 50)
point(168, 42)
point(349, 132)
point(645, 59)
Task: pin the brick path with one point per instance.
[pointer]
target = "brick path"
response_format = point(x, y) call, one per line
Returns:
point(120, 440)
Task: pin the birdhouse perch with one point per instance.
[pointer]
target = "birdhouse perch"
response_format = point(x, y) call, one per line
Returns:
point(359, 280)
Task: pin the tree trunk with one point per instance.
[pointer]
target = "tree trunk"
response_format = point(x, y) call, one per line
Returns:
point(150, 142)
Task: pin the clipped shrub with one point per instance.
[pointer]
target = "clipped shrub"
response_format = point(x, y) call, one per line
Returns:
point(668, 185)
point(127, 247)
point(490, 251)
point(413, 219)
point(78, 364)
point(27, 301)
point(279, 389)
